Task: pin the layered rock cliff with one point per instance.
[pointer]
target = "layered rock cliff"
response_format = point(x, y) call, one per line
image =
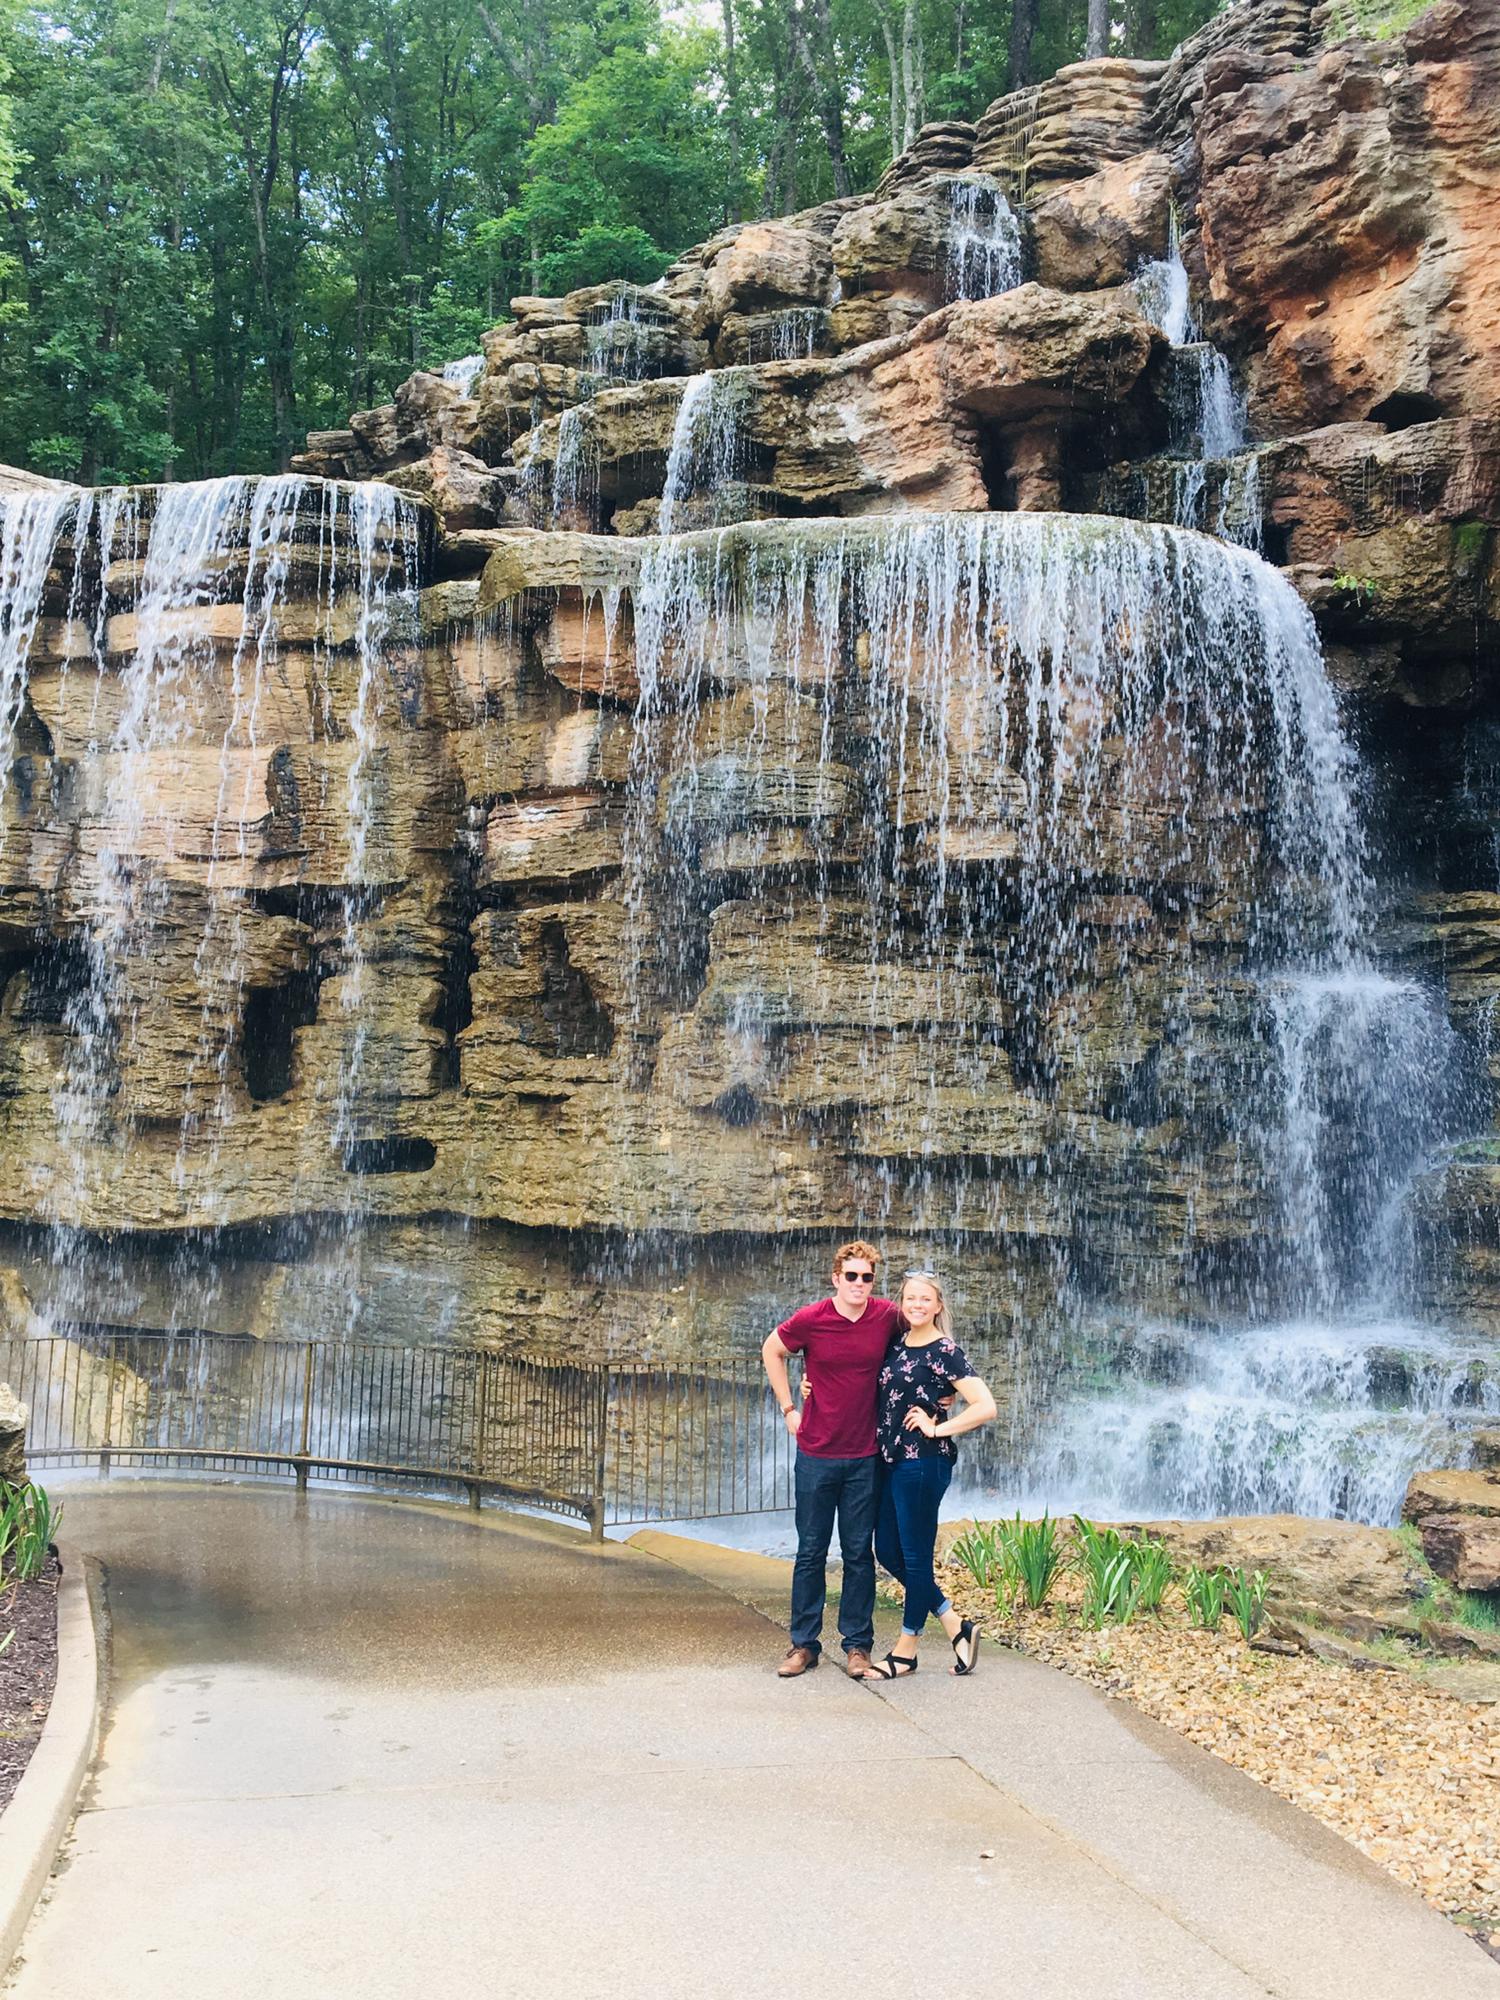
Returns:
point(723, 781)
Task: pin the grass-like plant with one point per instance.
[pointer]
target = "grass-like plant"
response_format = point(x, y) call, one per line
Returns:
point(1033, 1557)
point(1246, 1591)
point(1154, 1570)
point(981, 1551)
point(29, 1520)
point(1205, 1591)
point(1479, 1610)
point(1111, 1588)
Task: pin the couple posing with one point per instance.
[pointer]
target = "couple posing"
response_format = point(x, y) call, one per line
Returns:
point(887, 1391)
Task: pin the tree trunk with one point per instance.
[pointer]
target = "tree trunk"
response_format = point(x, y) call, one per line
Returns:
point(911, 73)
point(1022, 29)
point(895, 66)
point(1098, 35)
point(732, 94)
point(827, 87)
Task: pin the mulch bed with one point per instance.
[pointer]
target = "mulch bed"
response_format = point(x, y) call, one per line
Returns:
point(28, 1671)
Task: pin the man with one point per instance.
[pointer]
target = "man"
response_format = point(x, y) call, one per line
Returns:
point(845, 1340)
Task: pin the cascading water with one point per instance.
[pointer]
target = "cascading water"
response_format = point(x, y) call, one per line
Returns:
point(464, 372)
point(615, 344)
point(984, 240)
point(704, 464)
point(1058, 718)
point(1207, 412)
point(175, 849)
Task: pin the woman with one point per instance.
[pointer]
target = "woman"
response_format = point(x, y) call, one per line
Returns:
point(925, 1371)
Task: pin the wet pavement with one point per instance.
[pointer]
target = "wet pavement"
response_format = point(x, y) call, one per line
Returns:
point(361, 1748)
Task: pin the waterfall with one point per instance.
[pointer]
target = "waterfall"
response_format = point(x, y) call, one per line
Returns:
point(1300, 1417)
point(464, 373)
point(174, 850)
point(1206, 411)
point(984, 240)
point(615, 343)
point(31, 527)
point(575, 471)
point(704, 463)
point(1061, 721)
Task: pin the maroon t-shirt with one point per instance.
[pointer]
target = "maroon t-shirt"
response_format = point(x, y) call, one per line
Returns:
point(844, 1358)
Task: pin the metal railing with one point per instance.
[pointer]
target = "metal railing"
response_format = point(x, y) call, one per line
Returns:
point(610, 1442)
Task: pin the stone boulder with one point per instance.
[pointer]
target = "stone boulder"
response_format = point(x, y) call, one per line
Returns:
point(463, 491)
point(14, 1416)
point(1464, 1548)
point(768, 264)
point(1096, 232)
point(1449, 1492)
point(1332, 1569)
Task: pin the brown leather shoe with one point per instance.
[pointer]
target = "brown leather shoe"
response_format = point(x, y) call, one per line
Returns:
point(800, 1660)
point(859, 1666)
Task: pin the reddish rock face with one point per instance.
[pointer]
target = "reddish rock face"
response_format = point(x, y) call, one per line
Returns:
point(1350, 216)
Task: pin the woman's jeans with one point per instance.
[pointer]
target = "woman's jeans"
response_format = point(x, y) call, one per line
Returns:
point(906, 1533)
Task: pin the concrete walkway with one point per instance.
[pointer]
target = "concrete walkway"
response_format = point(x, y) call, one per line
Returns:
point(380, 1751)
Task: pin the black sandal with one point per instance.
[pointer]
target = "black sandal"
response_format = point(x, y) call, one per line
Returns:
point(968, 1635)
point(895, 1667)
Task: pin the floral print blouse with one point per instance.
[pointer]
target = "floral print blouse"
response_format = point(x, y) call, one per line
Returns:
point(917, 1378)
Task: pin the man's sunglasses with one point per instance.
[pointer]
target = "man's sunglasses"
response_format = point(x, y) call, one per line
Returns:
point(858, 1277)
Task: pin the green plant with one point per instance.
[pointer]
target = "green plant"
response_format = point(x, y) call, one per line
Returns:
point(981, 1551)
point(1362, 589)
point(1205, 1591)
point(1033, 1557)
point(29, 1520)
point(1155, 1572)
point(1478, 1610)
point(1111, 1585)
point(1246, 1591)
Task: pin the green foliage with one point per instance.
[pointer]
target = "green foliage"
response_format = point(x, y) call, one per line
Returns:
point(1376, 20)
point(1111, 1588)
point(1205, 1591)
point(225, 226)
point(1155, 1572)
point(29, 1520)
point(1033, 1557)
point(981, 1552)
point(1246, 1592)
point(1478, 1610)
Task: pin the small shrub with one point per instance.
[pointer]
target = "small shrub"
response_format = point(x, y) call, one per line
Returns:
point(1205, 1591)
point(1246, 1591)
point(1033, 1557)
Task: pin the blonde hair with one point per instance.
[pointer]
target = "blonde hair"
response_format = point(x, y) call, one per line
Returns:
point(858, 1248)
point(941, 1319)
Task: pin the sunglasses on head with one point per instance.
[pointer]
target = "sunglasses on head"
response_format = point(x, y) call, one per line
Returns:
point(929, 1275)
point(858, 1277)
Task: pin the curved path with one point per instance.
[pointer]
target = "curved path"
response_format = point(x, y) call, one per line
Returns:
point(377, 1750)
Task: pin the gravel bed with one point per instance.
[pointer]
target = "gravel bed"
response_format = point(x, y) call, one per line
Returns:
point(1408, 1773)
point(28, 1671)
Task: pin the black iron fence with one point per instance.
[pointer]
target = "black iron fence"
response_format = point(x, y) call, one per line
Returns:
point(613, 1442)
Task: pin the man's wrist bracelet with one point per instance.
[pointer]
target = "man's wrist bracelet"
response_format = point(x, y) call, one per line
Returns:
point(787, 1409)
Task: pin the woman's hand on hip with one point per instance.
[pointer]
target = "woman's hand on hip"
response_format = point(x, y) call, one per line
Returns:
point(918, 1420)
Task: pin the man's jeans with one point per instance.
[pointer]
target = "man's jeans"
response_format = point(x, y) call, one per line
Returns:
point(849, 1489)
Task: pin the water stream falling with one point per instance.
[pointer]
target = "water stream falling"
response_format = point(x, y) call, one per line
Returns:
point(1062, 722)
point(984, 240)
point(1207, 413)
point(175, 866)
point(464, 372)
point(704, 464)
